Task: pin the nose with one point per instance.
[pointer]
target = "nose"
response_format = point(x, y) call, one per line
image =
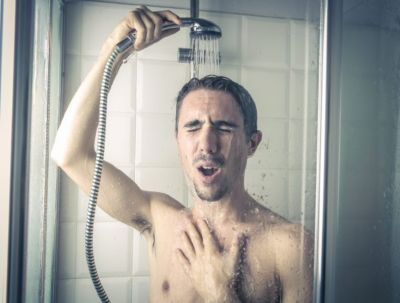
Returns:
point(208, 141)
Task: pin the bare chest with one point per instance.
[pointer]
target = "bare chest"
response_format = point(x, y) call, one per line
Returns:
point(169, 282)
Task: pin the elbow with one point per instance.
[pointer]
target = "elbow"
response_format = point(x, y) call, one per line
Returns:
point(58, 158)
point(62, 157)
point(69, 160)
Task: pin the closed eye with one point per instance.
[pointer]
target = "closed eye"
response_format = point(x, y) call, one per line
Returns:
point(225, 129)
point(225, 126)
point(191, 130)
point(192, 126)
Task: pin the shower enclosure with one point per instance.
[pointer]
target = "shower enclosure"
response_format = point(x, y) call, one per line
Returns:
point(324, 75)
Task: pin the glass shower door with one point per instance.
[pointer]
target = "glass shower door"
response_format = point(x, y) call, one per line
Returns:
point(363, 251)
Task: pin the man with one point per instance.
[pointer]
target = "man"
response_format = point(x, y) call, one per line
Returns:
point(227, 247)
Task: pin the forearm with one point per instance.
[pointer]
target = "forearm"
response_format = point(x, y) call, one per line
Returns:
point(75, 137)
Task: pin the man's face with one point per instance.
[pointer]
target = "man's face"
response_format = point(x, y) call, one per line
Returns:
point(212, 143)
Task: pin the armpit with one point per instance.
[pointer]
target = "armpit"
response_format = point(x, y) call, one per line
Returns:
point(141, 224)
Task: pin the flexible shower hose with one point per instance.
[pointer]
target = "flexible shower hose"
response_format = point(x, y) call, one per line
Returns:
point(98, 167)
point(200, 28)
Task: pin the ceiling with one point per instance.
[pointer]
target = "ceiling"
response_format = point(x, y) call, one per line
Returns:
point(294, 9)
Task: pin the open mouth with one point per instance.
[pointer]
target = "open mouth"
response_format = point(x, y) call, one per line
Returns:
point(207, 170)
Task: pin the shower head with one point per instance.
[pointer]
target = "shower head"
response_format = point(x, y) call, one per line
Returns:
point(199, 27)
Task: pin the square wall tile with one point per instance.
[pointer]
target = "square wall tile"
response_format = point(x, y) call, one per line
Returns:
point(269, 188)
point(303, 95)
point(120, 142)
point(269, 89)
point(265, 42)
point(273, 149)
point(304, 44)
point(158, 85)
point(231, 40)
point(155, 141)
point(231, 71)
point(140, 255)
point(98, 21)
point(66, 291)
point(117, 289)
point(302, 144)
point(67, 250)
point(140, 289)
point(166, 180)
point(112, 250)
point(122, 95)
point(302, 187)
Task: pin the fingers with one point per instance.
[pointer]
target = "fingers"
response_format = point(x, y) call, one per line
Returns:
point(148, 25)
point(195, 236)
point(187, 246)
point(183, 260)
point(170, 16)
point(208, 239)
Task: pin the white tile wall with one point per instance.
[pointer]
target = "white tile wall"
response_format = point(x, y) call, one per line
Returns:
point(140, 289)
point(270, 89)
point(265, 42)
point(273, 149)
point(112, 246)
point(304, 45)
point(269, 187)
point(276, 59)
point(151, 130)
point(140, 266)
point(118, 290)
point(159, 79)
point(167, 180)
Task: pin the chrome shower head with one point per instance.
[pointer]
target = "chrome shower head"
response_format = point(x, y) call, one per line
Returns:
point(199, 27)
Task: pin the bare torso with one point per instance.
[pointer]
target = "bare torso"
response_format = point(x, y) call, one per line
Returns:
point(259, 281)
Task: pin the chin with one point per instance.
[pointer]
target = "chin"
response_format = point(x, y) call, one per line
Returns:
point(210, 195)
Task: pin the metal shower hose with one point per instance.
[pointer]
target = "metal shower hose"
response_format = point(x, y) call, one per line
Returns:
point(101, 134)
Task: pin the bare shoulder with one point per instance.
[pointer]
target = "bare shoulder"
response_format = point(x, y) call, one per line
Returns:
point(291, 240)
point(293, 248)
point(164, 206)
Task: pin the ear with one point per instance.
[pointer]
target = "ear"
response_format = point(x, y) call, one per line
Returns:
point(253, 143)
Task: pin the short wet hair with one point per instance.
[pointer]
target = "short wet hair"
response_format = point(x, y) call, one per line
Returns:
point(224, 84)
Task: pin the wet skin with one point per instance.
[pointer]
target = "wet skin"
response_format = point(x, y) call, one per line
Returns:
point(226, 241)
point(226, 247)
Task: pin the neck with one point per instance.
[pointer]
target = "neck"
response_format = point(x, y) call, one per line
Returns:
point(229, 209)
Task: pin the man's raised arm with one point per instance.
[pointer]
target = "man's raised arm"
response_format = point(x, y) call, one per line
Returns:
point(73, 150)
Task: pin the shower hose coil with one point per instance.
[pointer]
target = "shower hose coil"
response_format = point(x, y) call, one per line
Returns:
point(91, 211)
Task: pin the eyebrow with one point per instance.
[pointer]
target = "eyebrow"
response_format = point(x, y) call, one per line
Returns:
point(217, 123)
